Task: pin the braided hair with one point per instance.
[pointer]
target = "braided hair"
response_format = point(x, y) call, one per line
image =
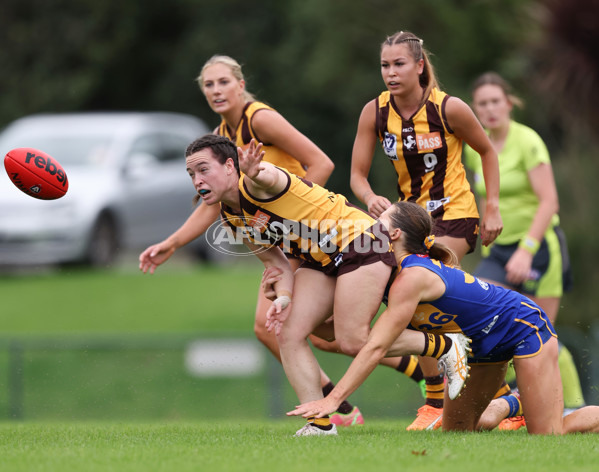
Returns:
point(428, 79)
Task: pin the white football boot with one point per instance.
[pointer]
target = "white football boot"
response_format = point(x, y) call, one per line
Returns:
point(454, 363)
point(310, 430)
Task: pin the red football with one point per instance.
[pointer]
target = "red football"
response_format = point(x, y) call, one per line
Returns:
point(36, 173)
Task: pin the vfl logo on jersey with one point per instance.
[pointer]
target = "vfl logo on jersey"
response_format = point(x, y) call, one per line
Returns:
point(429, 141)
point(390, 145)
point(409, 142)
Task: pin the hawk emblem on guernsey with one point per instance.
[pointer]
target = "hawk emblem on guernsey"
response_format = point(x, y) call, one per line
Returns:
point(390, 146)
point(409, 142)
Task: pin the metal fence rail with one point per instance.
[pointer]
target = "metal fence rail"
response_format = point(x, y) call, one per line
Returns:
point(179, 368)
point(22, 353)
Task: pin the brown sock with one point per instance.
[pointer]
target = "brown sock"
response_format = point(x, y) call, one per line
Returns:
point(409, 366)
point(434, 391)
point(322, 423)
point(345, 406)
point(435, 345)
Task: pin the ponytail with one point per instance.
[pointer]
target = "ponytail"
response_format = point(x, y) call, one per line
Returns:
point(417, 225)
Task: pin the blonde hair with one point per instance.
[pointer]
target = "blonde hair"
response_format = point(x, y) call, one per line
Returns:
point(235, 68)
point(428, 79)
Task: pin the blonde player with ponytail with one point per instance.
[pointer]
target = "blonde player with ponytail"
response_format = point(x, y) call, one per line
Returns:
point(422, 131)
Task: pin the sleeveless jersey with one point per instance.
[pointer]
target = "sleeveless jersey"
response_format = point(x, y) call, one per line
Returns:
point(305, 220)
point(523, 150)
point(486, 313)
point(426, 155)
point(244, 134)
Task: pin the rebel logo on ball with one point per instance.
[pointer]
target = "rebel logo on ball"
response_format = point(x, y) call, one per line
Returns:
point(36, 173)
point(48, 165)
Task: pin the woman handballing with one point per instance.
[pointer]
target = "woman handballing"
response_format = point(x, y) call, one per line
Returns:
point(347, 262)
point(244, 118)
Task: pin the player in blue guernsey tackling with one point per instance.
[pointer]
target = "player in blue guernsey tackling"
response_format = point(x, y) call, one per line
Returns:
point(346, 255)
point(431, 294)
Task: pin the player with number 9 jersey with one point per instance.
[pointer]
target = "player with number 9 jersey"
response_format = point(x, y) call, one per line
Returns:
point(422, 130)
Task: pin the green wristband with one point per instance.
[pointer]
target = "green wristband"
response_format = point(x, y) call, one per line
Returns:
point(529, 244)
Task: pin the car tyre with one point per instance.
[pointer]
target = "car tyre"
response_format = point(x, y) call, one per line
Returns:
point(103, 245)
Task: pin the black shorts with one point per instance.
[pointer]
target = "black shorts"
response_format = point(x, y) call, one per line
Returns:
point(371, 246)
point(550, 274)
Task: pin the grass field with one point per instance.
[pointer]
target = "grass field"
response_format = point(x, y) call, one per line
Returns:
point(265, 446)
point(174, 300)
point(98, 397)
point(98, 345)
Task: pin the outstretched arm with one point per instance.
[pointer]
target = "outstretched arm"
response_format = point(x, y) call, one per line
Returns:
point(388, 332)
point(196, 225)
point(262, 178)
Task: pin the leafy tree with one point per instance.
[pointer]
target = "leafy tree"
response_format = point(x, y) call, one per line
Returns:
point(317, 62)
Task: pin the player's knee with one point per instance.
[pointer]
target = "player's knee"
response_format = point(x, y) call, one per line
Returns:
point(288, 336)
point(486, 423)
point(459, 424)
point(261, 332)
point(324, 345)
point(351, 347)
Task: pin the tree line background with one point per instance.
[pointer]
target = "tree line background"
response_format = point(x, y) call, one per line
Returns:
point(317, 62)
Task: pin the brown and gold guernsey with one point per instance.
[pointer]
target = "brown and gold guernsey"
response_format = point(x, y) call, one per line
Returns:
point(244, 134)
point(305, 220)
point(427, 157)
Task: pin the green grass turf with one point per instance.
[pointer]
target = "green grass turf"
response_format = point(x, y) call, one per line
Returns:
point(134, 384)
point(173, 300)
point(264, 446)
point(109, 345)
